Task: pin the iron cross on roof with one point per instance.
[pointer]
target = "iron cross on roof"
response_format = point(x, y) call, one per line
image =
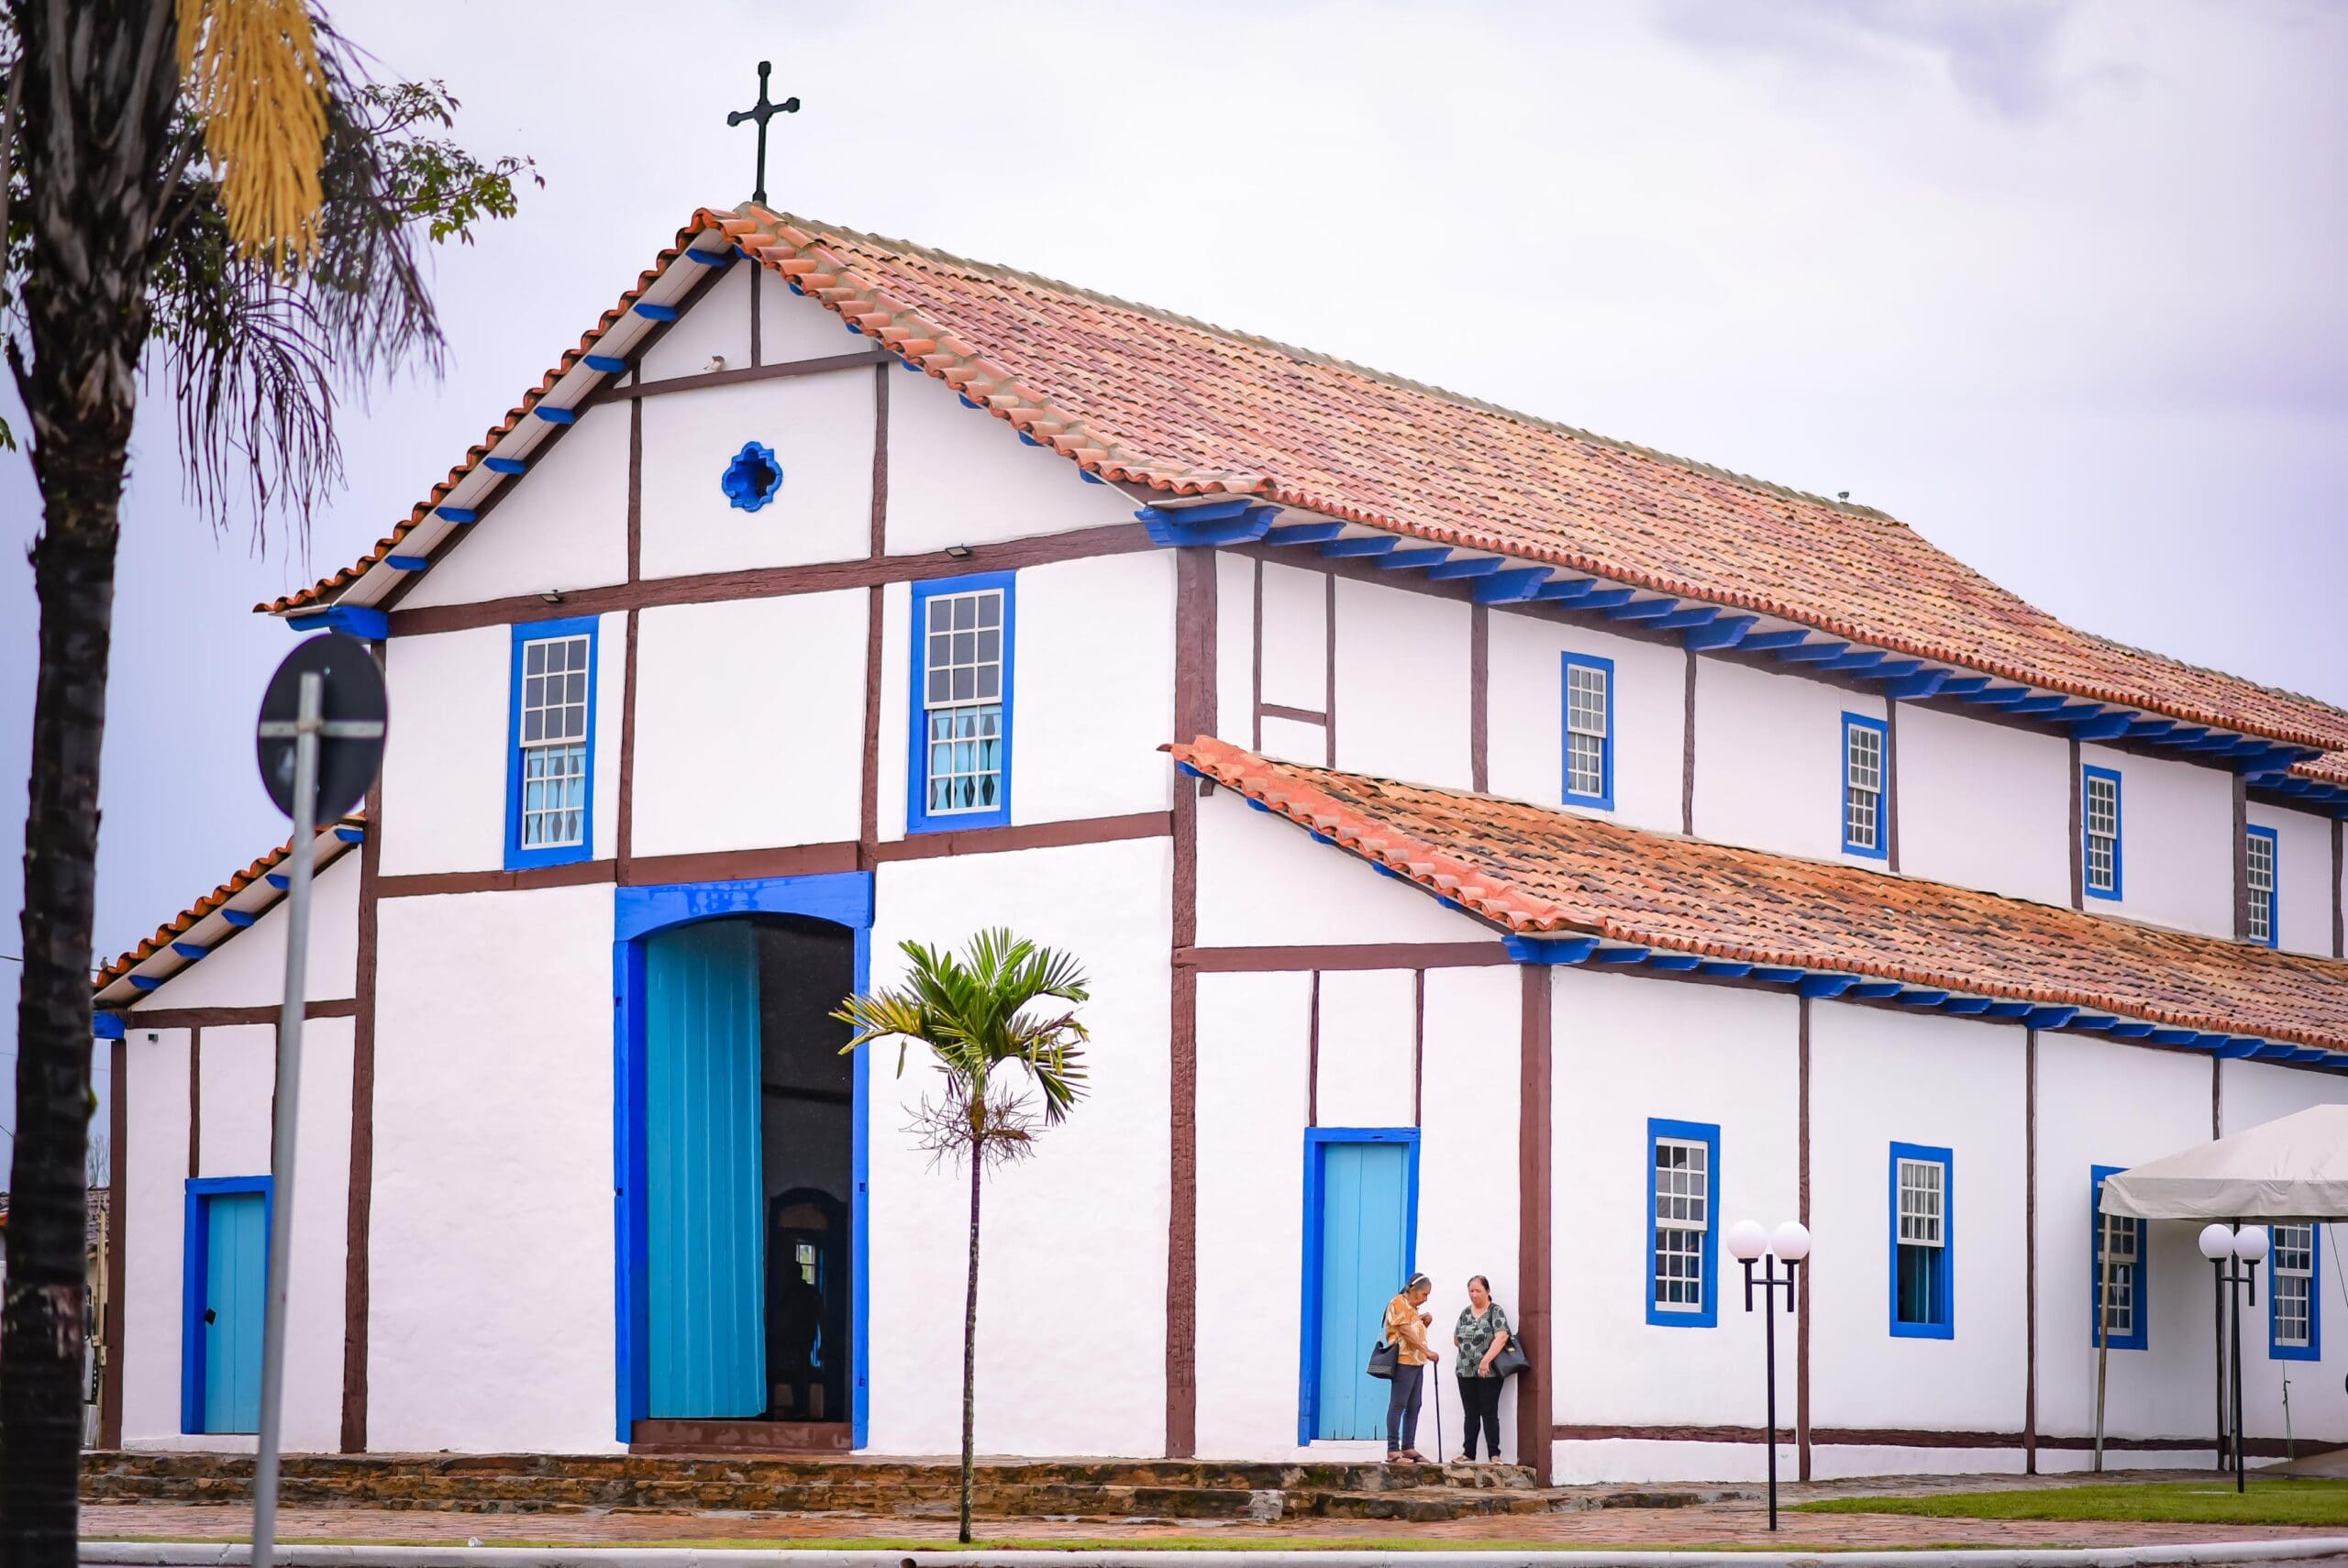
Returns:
point(762, 111)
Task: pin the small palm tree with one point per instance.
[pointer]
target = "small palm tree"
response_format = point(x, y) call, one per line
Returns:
point(970, 1010)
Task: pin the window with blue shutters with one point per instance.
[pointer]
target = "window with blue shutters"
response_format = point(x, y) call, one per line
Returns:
point(962, 671)
point(550, 783)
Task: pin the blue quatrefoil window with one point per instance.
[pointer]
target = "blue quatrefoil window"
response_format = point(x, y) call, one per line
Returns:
point(753, 477)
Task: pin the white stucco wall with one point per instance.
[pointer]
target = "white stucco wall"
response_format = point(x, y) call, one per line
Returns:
point(1769, 761)
point(1369, 1049)
point(2303, 889)
point(794, 327)
point(1878, 1077)
point(1253, 1033)
point(1468, 1129)
point(1234, 647)
point(1402, 685)
point(960, 476)
point(1983, 805)
point(238, 1071)
point(2105, 1102)
point(444, 758)
point(1107, 903)
point(1296, 637)
point(819, 429)
point(896, 694)
point(1627, 1049)
point(154, 1232)
point(1093, 689)
point(248, 969)
point(2176, 848)
point(491, 1240)
point(563, 525)
point(315, 1320)
point(1526, 729)
point(718, 324)
point(750, 723)
point(1264, 883)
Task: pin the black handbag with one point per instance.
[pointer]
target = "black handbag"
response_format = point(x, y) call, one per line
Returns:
point(1383, 1358)
point(1511, 1361)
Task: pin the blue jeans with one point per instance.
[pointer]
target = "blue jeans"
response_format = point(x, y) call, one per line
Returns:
point(1402, 1409)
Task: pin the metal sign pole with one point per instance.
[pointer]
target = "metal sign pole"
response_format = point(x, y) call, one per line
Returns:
point(308, 726)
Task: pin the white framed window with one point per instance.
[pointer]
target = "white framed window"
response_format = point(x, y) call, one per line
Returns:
point(1923, 1214)
point(2293, 1283)
point(1590, 731)
point(2117, 1276)
point(962, 690)
point(1683, 1216)
point(2258, 860)
point(551, 731)
point(1864, 741)
point(2100, 810)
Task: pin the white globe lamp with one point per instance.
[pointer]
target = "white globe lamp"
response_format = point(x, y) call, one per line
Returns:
point(2217, 1243)
point(1790, 1241)
point(1747, 1241)
point(2250, 1243)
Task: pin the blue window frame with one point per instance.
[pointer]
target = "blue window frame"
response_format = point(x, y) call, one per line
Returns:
point(2127, 1304)
point(1683, 1227)
point(551, 745)
point(1866, 786)
point(1922, 1242)
point(1318, 1142)
point(1586, 698)
point(958, 768)
point(2294, 1305)
point(2261, 853)
point(2100, 854)
point(224, 1285)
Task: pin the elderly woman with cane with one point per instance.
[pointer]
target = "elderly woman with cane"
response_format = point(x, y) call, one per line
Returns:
point(1406, 1330)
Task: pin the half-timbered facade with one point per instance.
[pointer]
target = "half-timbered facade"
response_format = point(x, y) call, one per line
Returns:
point(1495, 849)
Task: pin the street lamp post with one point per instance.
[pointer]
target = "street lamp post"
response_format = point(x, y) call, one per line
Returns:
point(1748, 1242)
point(2235, 1254)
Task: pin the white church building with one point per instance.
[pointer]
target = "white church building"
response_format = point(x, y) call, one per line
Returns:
point(1495, 849)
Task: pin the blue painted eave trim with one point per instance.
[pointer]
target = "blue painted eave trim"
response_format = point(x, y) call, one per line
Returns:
point(367, 624)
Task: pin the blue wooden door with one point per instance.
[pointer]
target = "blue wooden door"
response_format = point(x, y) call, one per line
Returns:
point(705, 1255)
point(236, 1263)
point(1365, 1251)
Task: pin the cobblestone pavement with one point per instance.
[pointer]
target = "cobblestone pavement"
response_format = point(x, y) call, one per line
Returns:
point(1742, 1522)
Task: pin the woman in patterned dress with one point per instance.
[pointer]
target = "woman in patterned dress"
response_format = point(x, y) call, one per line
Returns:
point(1481, 1334)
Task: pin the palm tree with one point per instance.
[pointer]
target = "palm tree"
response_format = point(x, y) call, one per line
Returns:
point(971, 1012)
point(219, 182)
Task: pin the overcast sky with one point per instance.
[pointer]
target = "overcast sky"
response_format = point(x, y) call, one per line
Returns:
point(2056, 283)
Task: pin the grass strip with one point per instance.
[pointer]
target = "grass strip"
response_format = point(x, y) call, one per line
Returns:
point(2306, 1503)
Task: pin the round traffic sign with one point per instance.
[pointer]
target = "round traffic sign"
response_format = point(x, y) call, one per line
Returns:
point(351, 744)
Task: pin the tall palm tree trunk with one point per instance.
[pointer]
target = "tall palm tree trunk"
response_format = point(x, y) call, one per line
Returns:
point(97, 92)
point(971, 1347)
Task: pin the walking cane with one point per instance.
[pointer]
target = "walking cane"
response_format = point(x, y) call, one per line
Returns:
point(1442, 1454)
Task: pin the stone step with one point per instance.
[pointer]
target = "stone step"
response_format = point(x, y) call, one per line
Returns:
point(734, 1482)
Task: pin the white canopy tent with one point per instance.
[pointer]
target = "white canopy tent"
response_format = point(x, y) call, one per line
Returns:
point(2292, 1169)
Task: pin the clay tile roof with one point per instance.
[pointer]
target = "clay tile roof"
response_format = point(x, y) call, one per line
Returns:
point(1532, 870)
point(1142, 396)
point(179, 925)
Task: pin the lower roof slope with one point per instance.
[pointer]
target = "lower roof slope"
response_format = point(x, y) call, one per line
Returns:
point(1537, 871)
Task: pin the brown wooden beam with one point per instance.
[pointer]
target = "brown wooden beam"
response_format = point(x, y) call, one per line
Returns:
point(1362, 955)
point(227, 1017)
point(1535, 1398)
point(634, 390)
point(772, 582)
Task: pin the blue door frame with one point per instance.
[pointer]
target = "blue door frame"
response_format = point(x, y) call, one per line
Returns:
point(1317, 1139)
point(843, 897)
point(195, 1262)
